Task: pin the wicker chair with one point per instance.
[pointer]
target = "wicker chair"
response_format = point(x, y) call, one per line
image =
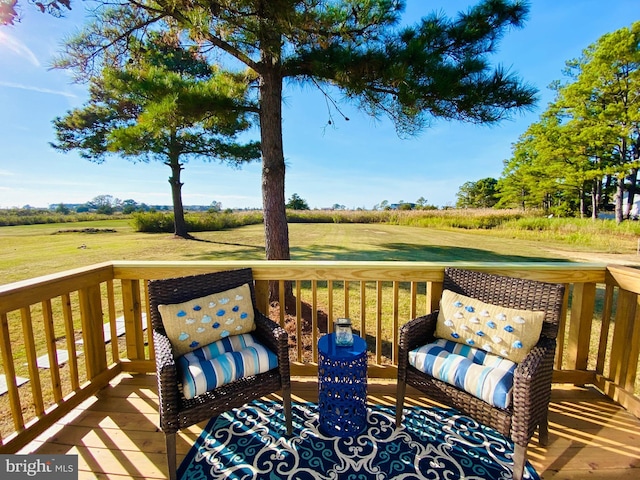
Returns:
point(176, 412)
point(532, 377)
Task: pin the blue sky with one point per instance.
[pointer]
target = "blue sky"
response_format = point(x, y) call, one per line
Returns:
point(358, 163)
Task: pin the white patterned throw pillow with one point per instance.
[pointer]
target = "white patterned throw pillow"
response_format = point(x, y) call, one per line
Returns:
point(201, 321)
point(507, 332)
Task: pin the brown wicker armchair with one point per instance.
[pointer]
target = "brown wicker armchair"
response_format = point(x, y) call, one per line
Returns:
point(177, 412)
point(532, 377)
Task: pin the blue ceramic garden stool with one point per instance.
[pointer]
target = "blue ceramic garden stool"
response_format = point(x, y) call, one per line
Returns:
point(342, 387)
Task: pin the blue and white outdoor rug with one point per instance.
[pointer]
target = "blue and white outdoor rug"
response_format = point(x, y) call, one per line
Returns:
point(250, 443)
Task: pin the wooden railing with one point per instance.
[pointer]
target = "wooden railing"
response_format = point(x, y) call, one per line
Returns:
point(88, 325)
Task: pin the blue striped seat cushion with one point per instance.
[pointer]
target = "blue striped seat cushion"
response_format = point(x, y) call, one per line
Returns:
point(223, 362)
point(482, 374)
point(232, 343)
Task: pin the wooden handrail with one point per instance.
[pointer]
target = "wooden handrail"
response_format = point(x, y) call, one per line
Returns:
point(29, 292)
point(79, 310)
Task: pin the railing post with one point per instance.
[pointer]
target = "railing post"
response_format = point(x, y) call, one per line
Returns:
point(10, 372)
point(582, 305)
point(620, 382)
point(50, 336)
point(262, 296)
point(434, 293)
point(558, 360)
point(604, 329)
point(628, 380)
point(621, 370)
point(132, 309)
point(90, 299)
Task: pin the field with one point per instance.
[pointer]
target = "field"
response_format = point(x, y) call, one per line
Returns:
point(32, 250)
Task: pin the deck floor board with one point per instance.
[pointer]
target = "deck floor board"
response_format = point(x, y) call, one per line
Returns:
point(116, 434)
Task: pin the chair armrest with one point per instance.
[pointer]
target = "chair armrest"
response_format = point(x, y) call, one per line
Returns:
point(532, 389)
point(529, 369)
point(276, 338)
point(167, 377)
point(413, 334)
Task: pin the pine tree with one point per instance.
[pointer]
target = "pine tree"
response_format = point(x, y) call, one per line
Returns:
point(165, 104)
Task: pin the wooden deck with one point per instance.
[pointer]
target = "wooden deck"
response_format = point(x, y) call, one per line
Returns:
point(116, 437)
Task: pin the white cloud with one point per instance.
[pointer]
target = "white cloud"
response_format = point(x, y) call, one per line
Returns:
point(37, 89)
point(18, 48)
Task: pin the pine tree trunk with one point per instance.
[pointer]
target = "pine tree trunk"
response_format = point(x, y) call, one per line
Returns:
point(618, 199)
point(276, 228)
point(179, 223)
point(595, 198)
point(273, 168)
point(631, 192)
point(605, 191)
point(620, 213)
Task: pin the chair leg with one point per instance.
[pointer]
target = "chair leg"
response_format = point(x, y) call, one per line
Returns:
point(519, 460)
point(543, 431)
point(170, 439)
point(400, 392)
point(286, 400)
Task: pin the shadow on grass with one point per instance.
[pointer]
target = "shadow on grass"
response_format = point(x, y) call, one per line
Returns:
point(390, 251)
point(410, 252)
point(243, 252)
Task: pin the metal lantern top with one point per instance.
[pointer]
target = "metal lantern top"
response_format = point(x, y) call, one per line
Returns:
point(343, 332)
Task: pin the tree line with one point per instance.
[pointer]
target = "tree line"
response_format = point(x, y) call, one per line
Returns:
point(582, 155)
point(108, 205)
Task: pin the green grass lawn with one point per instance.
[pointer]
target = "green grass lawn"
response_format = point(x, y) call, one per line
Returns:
point(34, 250)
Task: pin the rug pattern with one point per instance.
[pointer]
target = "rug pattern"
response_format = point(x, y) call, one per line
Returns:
point(250, 443)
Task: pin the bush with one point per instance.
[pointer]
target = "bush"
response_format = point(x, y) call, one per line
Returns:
point(35, 216)
point(469, 219)
point(337, 216)
point(153, 222)
point(158, 222)
point(538, 224)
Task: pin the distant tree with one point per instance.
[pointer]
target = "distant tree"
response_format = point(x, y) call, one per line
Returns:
point(421, 202)
point(63, 209)
point(337, 206)
point(465, 197)
point(215, 207)
point(514, 187)
point(587, 142)
point(297, 203)
point(480, 194)
point(102, 204)
point(129, 206)
point(603, 100)
point(384, 205)
point(166, 104)
point(552, 164)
